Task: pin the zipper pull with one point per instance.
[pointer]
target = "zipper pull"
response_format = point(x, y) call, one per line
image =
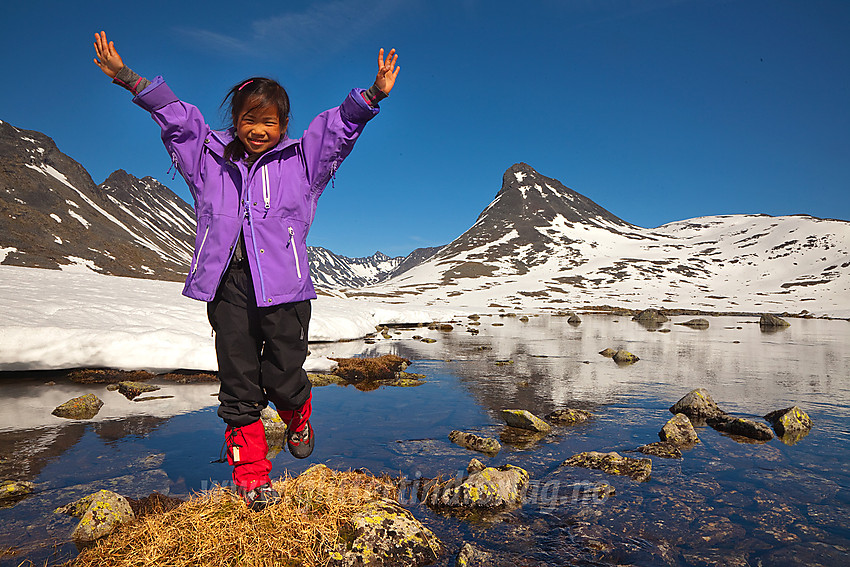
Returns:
point(291, 236)
point(173, 166)
point(334, 167)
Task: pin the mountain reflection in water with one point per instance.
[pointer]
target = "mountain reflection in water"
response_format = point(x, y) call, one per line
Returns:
point(724, 502)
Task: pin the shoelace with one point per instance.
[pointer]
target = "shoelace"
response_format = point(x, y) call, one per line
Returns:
point(230, 441)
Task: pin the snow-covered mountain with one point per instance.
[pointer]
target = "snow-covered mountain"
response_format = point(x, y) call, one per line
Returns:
point(52, 215)
point(542, 245)
point(335, 271)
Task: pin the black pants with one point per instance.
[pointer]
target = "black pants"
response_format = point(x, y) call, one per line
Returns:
point(260, 350)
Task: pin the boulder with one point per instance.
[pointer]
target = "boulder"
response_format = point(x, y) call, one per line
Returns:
point(523, 419)
point(275, 431)
point(131, 389)
point(81, 407)
point(474, 442)
point(679, 431)
point(608, 352)
point(697, 404)
point(574, 319)
point(741, 427)
point(569, 416)
point(12, 490)
point(488, 489)
point(100, 513)
point(624, 357)
point(650, 317)
point(695, 323)
point(768, 321)
point(613, 463)
point(791, 420)
point(383, 534)
point(661, 449)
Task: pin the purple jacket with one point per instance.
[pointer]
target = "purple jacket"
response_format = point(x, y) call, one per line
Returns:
point(273, 203)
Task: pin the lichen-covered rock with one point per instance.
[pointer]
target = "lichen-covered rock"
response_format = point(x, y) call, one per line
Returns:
point(100, 513)
point(488, 489)
point(613, 463)
point(741, 427)
point(697, 404)
point(524, 419)
point(608, 352)
point(772, 322)
point(383, 534)
point(81, 407)
point(679, 431)
point(429, 340)
point(695, 323)
point(130, 389)
point(275, 431)
point(624, 357)
point(11, 490)
point(569, 416)
point(470, 556)
point(789, 420)
point(651, 317)
point(474, 442)
point(661, 449)
point(475, 466)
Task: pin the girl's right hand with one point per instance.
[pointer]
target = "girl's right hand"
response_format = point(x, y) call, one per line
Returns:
point(107, 58)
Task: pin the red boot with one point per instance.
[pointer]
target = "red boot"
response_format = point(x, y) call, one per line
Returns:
point(246, 452)
point(299, 432)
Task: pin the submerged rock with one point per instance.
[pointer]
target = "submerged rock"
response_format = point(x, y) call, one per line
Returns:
point(474, 442)
point(470, 556)
point(624, 357)
point(383, 534)
point(131, 389)
point(791, 420)
point(742, 427)
point(100, 514)
point(12, 490)
point(679, 431)
point(613, 463)
point(695, 323)
point(81, 407)
point(569, 416)
point(650, 317)
point(697, 404)
point(768, 321)
point(523, 419)
point(488, 489)
point(521, 438)
point(661, 449)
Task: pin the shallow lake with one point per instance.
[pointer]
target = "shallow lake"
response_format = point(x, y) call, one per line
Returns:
point(725, 502)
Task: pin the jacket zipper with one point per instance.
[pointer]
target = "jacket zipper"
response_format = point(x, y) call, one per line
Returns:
point(266, 188)
point(294, 252)
point(201, 248)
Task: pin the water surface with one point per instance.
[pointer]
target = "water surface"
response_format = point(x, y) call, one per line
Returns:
point(725, 502)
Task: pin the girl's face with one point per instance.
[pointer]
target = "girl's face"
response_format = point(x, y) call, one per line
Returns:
point(260, 129)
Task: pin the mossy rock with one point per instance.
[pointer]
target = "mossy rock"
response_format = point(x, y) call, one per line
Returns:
point(370, 369)
point(608, 352)
point(488, 489)
point(524, 419)
point(624, 357)
point(100, 513)
point(319, 380)
point(130, 389)
point(13, 490)
point(661, 449)
point(383, 534)
point(81, 407)
point(613, 463)
point(697, 404)
point(791, 420)
point(569, 416)
point(474, 442)
point(679, 431)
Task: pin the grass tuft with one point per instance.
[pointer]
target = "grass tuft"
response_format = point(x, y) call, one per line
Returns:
point(215, 528)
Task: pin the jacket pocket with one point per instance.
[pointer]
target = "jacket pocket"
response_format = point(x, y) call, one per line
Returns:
point(200, 249)
point(291, 244)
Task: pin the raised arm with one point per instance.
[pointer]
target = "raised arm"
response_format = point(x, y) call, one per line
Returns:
point(107, 56)
point(385, 80)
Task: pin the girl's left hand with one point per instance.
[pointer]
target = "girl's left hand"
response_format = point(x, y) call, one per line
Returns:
point(387, 70)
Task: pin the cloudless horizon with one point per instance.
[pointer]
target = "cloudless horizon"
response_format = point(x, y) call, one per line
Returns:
point(658, 110)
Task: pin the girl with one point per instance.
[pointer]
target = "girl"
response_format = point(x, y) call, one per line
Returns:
point(255, 192)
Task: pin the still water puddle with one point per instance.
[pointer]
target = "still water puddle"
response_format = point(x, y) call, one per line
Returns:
point(724, 502)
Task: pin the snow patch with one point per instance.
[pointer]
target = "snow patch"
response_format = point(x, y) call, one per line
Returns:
point(72, 203)
point(83, 221)
point(5, 252)
point(520, 175)
point(55, 217)
point(57, 240)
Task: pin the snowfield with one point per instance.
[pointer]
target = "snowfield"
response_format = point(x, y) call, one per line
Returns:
point(76, 318)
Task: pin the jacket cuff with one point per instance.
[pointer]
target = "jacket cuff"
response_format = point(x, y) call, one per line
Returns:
point(156, 95)
point(355, 109)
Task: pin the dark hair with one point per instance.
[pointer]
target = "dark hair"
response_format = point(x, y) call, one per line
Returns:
point(247, 95)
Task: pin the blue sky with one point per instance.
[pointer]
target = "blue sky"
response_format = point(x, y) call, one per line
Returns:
point(658, 110)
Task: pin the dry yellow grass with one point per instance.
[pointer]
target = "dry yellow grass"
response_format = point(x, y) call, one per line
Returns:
point(215, 528)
